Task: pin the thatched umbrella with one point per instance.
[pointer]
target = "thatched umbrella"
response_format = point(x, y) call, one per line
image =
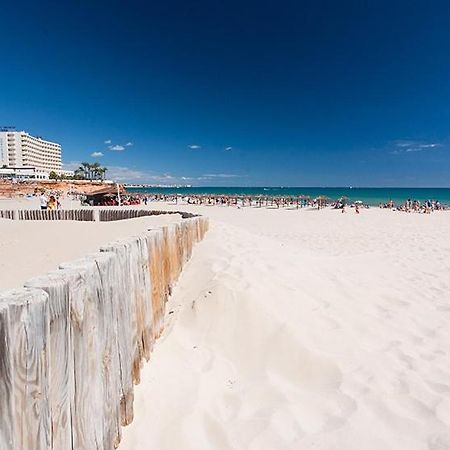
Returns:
point(343, 200)
point(304, 198)
point(322, 201)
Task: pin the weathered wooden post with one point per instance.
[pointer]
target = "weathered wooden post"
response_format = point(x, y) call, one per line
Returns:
point(26, 366)
point(126, 327)
point(7, 410)
point(60, 356)
point(94, 332)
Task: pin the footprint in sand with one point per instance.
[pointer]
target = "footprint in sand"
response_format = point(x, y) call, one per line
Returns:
point(311, 382)
point(439, 442)
point(220, 265)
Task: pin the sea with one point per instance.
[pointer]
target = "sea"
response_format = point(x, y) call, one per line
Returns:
point(369, 196)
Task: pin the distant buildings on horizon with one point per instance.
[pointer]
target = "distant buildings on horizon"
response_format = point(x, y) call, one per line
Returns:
point(23, 156)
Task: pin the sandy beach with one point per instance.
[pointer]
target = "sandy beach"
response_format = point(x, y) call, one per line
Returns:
point(31, 248)
point(288, 329)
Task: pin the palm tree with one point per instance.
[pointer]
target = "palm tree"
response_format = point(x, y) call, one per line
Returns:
point(92, 171)
point(102, 171)
point(84, 170)
point(95, 171)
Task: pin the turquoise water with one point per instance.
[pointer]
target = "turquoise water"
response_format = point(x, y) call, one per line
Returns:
point(371, 196)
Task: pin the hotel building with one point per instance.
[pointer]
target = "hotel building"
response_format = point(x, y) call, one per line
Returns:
point(20, 150)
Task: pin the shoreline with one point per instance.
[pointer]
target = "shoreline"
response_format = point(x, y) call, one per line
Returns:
point(370, 196)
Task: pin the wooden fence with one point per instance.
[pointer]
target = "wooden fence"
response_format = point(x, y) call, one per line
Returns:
point(86, 214)
point(73, 341)
point(110, 214)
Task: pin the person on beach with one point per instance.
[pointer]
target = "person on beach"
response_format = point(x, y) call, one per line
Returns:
point(51, 204)
point(43, 201)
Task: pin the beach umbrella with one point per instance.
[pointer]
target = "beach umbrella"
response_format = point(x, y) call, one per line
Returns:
point(343, 200)
point(322, 200)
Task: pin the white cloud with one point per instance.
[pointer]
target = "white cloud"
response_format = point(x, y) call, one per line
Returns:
point(220, 175)
point(131, 175)
point(125, 174)
point(229, 148)
point(430, 145)
point(402, 143)
point(72, 165)
point(410, 146)
point(117, 148)
point(96, 154)
point(194, 147)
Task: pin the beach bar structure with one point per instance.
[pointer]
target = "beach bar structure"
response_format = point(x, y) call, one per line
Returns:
point(73, 341)
point(102, 195)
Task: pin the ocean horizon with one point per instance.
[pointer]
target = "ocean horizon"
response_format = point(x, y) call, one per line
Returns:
point(372, 196)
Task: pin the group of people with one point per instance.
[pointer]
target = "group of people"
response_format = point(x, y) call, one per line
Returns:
point(111, 200)
point(425, 207)
point(342, 204)
point(233, 200)
point(49, 202)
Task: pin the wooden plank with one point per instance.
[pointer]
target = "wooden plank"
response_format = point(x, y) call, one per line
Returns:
point(6, 382)
point(122, 249)
point(98, 271)
point(61, 356)
point(29, 331)
point(86, 401)
point(143, 292)
point(154, 238)
point(126, 329)
point(134, 262)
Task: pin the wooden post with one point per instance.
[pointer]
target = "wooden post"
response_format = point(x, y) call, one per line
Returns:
point(7, 412)
point(29, 368)
point(133, 254)
point(86, 403)
point(60, 356)
point(95, 304)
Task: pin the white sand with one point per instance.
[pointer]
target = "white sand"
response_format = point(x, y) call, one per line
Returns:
point(30, 248)
point(303, 329)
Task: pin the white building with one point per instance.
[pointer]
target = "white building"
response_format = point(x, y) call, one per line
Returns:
point(22, 173)
point(19, 149)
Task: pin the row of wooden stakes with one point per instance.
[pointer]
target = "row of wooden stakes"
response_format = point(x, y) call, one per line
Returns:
point(72, 342)
point(109, 214)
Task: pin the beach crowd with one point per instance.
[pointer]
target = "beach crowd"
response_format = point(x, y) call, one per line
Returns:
point(417, 206)
point(51, 201)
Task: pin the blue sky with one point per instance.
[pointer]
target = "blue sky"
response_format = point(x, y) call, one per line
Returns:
point(317, 93)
